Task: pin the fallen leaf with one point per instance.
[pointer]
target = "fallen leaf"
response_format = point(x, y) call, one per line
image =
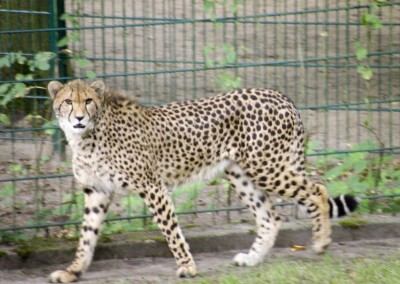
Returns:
point(297, 248)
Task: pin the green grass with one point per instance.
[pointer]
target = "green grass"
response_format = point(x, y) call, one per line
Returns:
point(353, 222)
point(328, 270)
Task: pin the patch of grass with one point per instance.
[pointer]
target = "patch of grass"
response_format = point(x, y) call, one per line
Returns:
point(9, 238)
point(328, 270)
point(160, 239)
point(353, 223)
point(24, 251)
point(105, 239)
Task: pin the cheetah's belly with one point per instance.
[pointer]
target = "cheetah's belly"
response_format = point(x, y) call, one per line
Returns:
point(204, 173)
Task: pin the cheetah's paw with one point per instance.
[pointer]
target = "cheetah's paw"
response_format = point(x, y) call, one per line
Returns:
point(244, 259)
point(61, 276)
point(322, 245)
point(187, 270)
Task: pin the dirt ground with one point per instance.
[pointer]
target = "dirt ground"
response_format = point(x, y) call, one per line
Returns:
point(162, 269)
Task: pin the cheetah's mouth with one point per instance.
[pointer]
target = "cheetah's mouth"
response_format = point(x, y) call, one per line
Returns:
point(79, 125)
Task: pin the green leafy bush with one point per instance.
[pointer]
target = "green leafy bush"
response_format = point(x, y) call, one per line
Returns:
point(364, 174)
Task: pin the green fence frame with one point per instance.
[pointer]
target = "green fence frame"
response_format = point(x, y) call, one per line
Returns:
point(175, 50)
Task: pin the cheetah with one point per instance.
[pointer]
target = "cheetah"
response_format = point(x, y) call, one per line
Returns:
point(255, 135)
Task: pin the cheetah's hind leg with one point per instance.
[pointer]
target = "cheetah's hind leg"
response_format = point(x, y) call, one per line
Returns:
point(314, 197)
point(267, 221)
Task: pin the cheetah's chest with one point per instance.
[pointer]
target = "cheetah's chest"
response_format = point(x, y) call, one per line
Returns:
point(94, 173)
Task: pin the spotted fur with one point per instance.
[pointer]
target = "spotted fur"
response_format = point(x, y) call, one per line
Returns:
point(255, 135)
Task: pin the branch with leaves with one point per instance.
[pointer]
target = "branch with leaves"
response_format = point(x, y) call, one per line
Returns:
point(25, 82)
point(371, 22)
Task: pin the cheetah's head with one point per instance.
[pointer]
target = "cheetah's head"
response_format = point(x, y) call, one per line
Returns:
point(76, 104)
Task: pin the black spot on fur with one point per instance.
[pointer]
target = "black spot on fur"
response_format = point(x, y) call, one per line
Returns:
point(87, 191)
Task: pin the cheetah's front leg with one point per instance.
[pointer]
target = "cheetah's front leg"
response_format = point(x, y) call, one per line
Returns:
point(160, 205)
point(96, 205)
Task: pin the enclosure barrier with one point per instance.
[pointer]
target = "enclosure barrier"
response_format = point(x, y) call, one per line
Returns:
point(338, 60)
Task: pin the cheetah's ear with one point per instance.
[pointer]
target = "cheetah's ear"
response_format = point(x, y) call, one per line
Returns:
point(54, 87)
point(99, 87)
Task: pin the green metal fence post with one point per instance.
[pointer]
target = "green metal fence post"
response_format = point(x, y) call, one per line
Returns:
point(62, 63)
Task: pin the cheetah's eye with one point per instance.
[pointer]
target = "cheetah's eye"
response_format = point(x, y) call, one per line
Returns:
point(68, 102)
point(88, 101)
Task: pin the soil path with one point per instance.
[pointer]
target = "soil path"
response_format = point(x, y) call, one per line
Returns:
point(162, 269)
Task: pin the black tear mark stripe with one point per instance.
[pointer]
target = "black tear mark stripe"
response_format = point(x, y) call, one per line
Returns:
point(70, 113)
point(59, 108)
point(97, 107)
point(87, 110)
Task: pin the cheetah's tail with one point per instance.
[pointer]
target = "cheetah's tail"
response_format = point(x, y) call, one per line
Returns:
point(342, 205)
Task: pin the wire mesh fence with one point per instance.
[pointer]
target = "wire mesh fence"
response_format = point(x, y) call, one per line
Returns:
point(162, 51)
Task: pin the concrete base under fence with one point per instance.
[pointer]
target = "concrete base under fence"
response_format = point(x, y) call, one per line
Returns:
point(211, 239)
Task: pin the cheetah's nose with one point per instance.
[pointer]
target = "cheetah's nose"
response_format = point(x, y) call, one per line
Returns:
point(79, 118)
